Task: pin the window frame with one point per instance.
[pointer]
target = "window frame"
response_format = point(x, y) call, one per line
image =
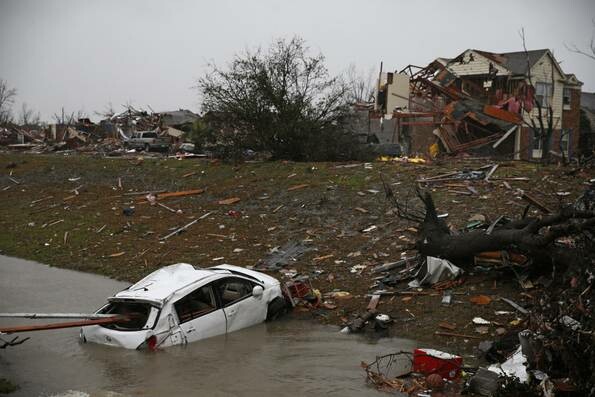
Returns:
point(222, 281)
point(547, 89)
point(201, 313)
point(567, 97)
point(564, 138)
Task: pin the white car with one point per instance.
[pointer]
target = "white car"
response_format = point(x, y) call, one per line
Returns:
point(179, 304)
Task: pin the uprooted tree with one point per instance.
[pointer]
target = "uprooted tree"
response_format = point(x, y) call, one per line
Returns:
point(281, 100)
point(534, 236)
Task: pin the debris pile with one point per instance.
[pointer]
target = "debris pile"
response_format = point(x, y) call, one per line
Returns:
point(109, 136)
point(553, 352)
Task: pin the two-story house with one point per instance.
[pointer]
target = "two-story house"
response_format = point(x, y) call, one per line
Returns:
point(518, 82)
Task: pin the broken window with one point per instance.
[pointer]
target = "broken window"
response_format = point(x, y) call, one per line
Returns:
point(234, 289)
point(142, 315)
point(198, 303)
point(543, 93)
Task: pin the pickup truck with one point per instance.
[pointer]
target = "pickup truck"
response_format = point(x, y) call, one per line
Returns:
point(147, 140)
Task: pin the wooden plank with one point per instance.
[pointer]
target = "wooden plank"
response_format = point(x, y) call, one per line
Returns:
point(453, 334)
point(296, 187)
point(536, 203)
point(71, 324)
point(373, 303)
point(179, 194)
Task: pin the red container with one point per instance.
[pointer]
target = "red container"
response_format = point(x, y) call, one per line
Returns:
point(430, 361)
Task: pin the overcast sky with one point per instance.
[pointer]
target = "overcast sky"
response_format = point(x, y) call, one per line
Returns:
point(84, 54)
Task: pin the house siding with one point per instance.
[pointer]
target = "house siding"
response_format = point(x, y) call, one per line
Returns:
point(541, 72)
point(479, 66)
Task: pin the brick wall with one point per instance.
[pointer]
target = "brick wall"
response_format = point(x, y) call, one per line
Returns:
point(571, 120)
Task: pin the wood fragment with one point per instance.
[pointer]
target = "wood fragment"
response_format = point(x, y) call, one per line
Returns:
point(373, 304)
point(446, 325)
point(490, 172)
point(101, 229)
point(296, 187)
point(65, 237)
point(71, 324)
point(480, 300)
point(456, 335)
point(41, 199)
point(189, 174)
point(362, 210)
point(321, 258)
point(536, 203)
point(231, 200)
point(184, 227)
point(278, 208)
point(161, 196)
point(54, 223)
point(117, 254)
point(167, 208)
point(143, 193)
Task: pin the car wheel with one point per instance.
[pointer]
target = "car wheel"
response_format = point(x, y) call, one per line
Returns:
point(147, 147)
point(276, 309)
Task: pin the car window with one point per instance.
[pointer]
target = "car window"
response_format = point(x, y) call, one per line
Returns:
point(233, 289)
point(198, 303)
point(150, 135)
point(142, 315)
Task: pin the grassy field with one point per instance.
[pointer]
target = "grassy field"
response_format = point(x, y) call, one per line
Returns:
point(67, 211)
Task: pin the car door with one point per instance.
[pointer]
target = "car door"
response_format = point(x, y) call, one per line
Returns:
point(241, 308)
point(199, 314)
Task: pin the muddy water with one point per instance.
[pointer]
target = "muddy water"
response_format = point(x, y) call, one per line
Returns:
point(284, 358)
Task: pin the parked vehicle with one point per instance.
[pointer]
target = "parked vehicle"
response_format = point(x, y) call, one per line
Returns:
point(179, 304)
point(147, 140)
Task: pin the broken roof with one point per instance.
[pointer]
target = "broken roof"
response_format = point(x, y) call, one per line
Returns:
point(178, 117)
point(515, 62)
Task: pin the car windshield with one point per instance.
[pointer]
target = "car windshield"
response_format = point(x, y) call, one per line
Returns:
point(150, 135)
point(142, 315)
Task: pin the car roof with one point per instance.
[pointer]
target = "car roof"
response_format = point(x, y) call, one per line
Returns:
point(162, 283)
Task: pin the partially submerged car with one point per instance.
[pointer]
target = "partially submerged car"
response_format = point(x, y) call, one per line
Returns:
point(179, 304)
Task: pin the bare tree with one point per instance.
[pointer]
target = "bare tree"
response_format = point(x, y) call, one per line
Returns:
point(589, 53)
point(65, 118)
point(7, 96)
point(360, 84)
point(542, 125)
point(28, 116)
point(107, 112)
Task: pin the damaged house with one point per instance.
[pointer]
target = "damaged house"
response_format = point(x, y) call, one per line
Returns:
point(481, 102)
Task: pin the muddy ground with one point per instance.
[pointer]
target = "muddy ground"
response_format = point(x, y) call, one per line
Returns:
point(67, 210)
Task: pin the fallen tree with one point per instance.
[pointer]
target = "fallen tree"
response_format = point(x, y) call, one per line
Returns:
point(558, 338)
point(534, 236)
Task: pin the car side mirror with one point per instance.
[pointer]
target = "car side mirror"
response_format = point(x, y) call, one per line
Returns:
point(257, 291)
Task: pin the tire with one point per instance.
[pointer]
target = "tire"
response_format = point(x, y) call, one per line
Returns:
point(276, 309)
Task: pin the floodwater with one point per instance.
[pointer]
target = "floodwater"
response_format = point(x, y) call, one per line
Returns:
point(284, 358)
